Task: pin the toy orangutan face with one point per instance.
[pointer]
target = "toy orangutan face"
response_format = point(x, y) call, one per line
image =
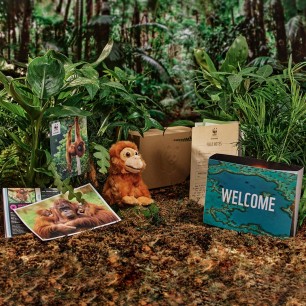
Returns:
point(132, 160)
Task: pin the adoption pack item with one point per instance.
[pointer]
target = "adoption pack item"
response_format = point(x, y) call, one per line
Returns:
point(252, 196)
point(209, 137)
point(124, 184)
point(19, 197)
point(60, 216)
point(69, 146)
point(167, 155)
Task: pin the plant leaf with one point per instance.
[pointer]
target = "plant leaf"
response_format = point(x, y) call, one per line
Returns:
point(265, 71)
point(116, 85)
point(158, 66)
point(204, 61)
point(5, 81)
point(13, 108)
point(102, 155)
point(104, 54)
point(46, 76)
point(64, 111)
point(18, 141)
point(236, 55)
point(235, 81)
point(21, 96)
point(182, 123)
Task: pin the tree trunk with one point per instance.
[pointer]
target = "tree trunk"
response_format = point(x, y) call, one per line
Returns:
point(137, 38)
point(66, 15)
point(13, 27)
point(59, 7)
point(255, 29)
point(298, 40)
point(8, 21)
point(78, 28)
point(80, 31)
point(280, 31)
point(25, 32)
point(261, 34)
point(89, 9)
point(98, 7)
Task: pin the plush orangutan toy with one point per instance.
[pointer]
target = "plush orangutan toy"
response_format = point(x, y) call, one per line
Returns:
point(124, 184)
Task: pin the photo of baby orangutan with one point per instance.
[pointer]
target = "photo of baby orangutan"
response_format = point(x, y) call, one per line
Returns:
point(58, 216)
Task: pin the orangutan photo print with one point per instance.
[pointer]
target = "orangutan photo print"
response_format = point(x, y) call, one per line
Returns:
point(58, 216)
point(68, 144)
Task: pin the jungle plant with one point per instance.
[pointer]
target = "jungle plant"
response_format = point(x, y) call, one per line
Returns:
point(273, 118)
point(215, 89)
point(53, 87)
point(270, 108)
point(121, 108)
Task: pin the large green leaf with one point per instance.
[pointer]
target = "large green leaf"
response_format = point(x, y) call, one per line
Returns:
point(18, 141)
point(236, 55)
point(46, 76)
point(89, 72)
point(265, 71)
point(92, 90)
point(102, 155)
point(64, 111)
point(23, 98)
point(204, 61)
point(235, 81)
point(81, 81)
point(22, 92)
point(115, 85)
point(13, 108)
point(152, 123)
point(105, 53)
point(182, 123)
point(5, 81)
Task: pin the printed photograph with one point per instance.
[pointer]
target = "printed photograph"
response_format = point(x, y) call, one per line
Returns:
point(58, 216)
point(68, 144)
point(21, 195)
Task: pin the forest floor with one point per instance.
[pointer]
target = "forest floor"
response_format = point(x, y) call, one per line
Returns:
point(168, 257)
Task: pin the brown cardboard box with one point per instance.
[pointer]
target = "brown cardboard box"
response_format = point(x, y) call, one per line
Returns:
point(167, 155)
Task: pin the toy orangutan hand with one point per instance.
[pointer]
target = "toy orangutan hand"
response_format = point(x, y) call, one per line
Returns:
point(124, 184)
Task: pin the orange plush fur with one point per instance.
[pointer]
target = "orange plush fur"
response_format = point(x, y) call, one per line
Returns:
point(124, 184)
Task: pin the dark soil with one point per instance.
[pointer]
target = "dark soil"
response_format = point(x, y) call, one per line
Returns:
point(155, 257)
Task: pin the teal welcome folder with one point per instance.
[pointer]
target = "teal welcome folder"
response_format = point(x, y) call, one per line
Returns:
point(252, 196)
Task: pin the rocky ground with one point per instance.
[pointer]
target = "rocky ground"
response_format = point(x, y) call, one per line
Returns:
point(164, 255)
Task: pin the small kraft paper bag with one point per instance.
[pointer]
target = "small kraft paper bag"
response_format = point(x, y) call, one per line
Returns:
point(208, 138)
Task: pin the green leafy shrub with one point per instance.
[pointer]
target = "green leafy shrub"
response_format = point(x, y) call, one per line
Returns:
point(271, 108)
point(55, 87)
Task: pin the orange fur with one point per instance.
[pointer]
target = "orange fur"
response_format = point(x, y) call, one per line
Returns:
point(54, 222)
point(124, 184)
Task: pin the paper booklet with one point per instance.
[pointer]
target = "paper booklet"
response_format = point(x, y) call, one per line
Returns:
point(252, 196)
point(209, 137)
point(19, 197)
point(58, 216)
